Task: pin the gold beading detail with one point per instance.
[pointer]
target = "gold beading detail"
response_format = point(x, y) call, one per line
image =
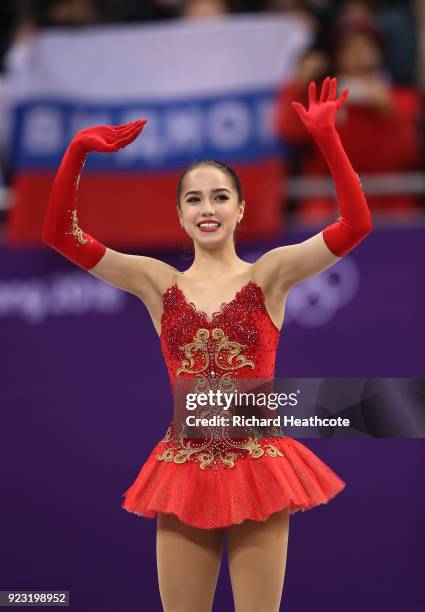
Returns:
point(76, 229)
point(183, 451)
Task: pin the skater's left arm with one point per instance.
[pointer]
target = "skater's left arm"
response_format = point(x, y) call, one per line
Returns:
point(292, 264)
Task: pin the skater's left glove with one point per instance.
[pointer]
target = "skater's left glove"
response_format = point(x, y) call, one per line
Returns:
point(354, 222)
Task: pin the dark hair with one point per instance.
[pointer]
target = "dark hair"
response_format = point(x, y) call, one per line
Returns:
point(216, 164)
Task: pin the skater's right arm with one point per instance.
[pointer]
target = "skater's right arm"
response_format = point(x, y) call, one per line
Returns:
point(61, 230)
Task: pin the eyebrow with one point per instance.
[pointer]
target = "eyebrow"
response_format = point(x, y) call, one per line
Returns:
point(212, 191)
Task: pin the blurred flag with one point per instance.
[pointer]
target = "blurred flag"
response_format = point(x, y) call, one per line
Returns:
point(207, 90)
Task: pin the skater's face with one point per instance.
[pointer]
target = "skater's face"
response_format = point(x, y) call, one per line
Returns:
point(208, 195)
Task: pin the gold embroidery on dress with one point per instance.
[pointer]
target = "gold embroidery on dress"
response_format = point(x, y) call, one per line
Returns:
point(235, 359)
point(234, 349)
point(185, 450)
point(199, 345)
point(254, 448)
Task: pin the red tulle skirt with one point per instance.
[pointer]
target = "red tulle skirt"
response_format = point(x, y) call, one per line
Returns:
point(253, 488)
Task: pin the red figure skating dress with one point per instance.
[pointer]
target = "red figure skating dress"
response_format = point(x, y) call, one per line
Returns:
point(210, 483)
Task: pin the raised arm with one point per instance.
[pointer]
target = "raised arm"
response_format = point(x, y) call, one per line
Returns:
point(289, 265)
point(61, 228)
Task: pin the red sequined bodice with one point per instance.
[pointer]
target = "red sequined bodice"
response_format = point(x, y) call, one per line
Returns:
point(240, 340)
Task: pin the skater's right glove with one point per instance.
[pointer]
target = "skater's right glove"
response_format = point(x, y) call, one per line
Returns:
point(60, 229)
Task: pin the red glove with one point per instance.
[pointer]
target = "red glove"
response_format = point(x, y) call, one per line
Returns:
point(354, 223)
point(60, 229)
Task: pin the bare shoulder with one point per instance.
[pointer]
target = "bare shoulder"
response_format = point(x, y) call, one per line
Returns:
point(143, 276)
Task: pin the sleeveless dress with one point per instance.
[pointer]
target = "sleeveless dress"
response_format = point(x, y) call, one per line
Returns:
point(214, 483)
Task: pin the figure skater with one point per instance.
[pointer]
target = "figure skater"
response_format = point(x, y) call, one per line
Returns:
point(221, 317)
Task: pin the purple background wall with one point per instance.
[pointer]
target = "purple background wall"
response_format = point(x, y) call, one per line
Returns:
point(85, 396)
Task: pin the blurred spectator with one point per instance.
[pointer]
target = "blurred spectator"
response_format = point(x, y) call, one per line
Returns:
point(201, 9)
point(398, 24)
point(420, 20)
point(26, 17)
point(86, 12)
point(378, 123)
point(7, 24)
point(70, 12)
point(319, 15)
point(357, 9)
point(131, 10)
point(57, 12)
